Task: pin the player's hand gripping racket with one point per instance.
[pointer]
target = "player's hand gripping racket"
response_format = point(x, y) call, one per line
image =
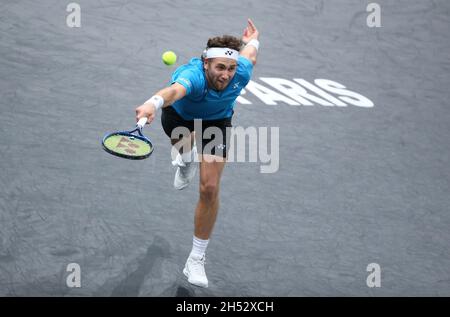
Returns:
point(128, 144)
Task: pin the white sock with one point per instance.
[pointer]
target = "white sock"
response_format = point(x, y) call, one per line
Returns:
point(187, 157)
point(199, 247)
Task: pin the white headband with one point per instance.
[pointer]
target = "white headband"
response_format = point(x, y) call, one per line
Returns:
point(214, 52)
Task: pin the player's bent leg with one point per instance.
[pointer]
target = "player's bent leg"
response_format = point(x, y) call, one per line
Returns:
point(184, 161)
point(183, 145)
point(183, 152)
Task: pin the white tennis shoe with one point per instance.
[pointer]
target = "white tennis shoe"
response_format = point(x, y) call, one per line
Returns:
point(194, 270)
point(185, 171)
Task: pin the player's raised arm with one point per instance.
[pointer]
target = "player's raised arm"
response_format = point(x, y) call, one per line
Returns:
point(250, 38)
point(162, 98)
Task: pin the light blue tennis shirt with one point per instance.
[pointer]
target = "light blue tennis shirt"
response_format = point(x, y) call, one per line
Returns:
point(202, 102)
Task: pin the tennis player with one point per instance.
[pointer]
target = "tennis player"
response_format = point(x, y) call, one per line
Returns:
point(206, 88)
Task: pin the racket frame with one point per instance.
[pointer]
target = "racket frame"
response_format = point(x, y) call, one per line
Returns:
point(130, 133)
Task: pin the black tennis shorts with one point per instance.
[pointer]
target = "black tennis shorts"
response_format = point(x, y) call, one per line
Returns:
point(212, 136)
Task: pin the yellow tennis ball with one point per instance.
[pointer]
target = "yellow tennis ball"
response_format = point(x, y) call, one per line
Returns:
point(169, 58)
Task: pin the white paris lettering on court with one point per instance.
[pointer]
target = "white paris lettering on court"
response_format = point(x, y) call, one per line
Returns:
point(300, 92)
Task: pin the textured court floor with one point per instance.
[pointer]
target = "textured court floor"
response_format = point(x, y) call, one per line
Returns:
point(356, 185)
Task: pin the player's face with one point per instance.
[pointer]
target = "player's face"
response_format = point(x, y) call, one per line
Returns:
point(219, 72)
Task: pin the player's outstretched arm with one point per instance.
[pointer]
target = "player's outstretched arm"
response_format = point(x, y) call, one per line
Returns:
point(162, 98)
point(250, 38)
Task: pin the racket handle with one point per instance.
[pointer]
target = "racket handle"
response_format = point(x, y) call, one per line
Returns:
point(141, 123)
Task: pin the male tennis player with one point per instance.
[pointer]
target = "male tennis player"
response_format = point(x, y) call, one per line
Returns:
point(204, 89)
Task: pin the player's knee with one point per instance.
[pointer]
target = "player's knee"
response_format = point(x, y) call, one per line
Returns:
point(209, 191)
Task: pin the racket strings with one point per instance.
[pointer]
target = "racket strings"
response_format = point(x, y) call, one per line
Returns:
point(127, 145)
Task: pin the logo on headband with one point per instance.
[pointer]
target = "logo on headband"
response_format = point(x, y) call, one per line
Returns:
point(214, 52)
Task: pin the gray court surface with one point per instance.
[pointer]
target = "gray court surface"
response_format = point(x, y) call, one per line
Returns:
point(355, 185)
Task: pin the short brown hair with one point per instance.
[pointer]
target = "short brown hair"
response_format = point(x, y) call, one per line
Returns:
point(227, 41)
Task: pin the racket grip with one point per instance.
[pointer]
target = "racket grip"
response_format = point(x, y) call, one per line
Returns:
point(141, 123)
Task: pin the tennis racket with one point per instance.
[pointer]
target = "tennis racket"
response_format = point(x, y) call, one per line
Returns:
point(133, 144)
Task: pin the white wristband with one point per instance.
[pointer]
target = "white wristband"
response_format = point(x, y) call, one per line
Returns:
point(157, 101)
point(254, 43)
